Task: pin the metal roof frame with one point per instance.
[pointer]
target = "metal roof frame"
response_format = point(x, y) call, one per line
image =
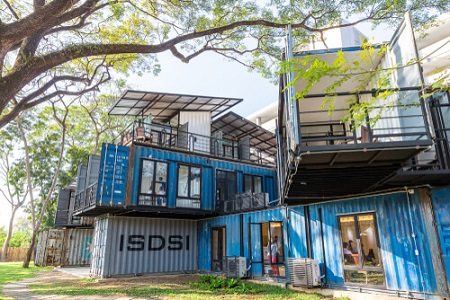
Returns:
point(164, 106)
point(238, 127)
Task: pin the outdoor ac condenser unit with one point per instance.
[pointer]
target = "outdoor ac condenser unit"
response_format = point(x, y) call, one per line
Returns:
point(236, 266)
point(260, 200)
point(304, 272)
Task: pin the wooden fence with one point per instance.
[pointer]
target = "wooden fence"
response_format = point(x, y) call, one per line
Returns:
point(17, 254)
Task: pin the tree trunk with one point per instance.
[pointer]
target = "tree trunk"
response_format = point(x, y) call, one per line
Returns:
point(26, 262)
point(5, 247)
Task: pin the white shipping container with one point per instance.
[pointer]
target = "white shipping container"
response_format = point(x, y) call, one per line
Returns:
point(129, 246)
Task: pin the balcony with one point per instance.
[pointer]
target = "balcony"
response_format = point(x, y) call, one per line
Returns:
point(433, 166)
point(220, 144)
point(340, 154)
point(192, 123)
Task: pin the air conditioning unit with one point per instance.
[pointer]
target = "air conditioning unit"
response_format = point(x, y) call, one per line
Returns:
point(235, 266)
point(304, 272)
point(260, 200)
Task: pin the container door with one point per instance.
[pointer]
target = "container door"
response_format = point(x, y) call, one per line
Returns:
point(62, 211)
point(112, 179)
point(441, 206)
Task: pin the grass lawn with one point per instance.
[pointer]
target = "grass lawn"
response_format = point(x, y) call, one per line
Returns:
point(165, 287)
point(13, 271)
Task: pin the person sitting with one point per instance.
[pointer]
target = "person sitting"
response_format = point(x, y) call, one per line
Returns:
point(348, 258)
point(371, 257)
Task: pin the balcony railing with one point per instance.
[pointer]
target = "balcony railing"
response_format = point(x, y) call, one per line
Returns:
point(391, 120)
point(86, 198)
point(244, 202)
point(170, 137)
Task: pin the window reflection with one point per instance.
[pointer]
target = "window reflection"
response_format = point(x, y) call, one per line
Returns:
point(360, 250)
point(189, 187)
point(153, 183)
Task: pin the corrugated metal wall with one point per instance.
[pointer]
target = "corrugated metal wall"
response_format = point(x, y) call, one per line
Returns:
point(81, 179)
point(40, 248)
point(395, 215)
point(199, 122)
point(398, 216)
point(112, 178)
point(92, 169)
point(142, 245)
point(199, 128)
point(441, 205)
point(234, 241)
point(62, 208)
point(64, 247)
point(50, 248)
point(209, 167)
point(77, 246)
point(100, 247)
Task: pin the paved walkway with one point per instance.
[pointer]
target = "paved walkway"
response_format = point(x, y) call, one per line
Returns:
point(20, 290)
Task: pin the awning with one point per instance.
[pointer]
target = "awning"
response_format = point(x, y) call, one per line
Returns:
point(164, 106)
point(239, 127)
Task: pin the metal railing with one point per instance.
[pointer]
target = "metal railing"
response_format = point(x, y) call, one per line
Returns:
point(391, 120)
point(86, 198)
point(171, 137)
point(243, 202)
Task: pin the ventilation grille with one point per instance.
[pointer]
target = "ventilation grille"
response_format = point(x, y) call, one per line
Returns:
point(235, 266)
point(304, 272)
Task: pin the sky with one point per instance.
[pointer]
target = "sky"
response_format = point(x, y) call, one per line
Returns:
point(210, 75)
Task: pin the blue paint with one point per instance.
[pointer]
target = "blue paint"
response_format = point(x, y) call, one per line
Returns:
point(209, 167)
point(233, 236)
point(86, 252)
point(395, 214)
point(441, 204)
point(112, 178)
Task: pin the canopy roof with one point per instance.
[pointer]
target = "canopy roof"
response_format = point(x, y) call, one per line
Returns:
point(239, 127)
point(164, 106)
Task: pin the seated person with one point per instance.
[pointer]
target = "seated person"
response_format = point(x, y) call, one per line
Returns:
point(348, 258)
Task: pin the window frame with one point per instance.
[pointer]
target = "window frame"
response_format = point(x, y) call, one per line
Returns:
point(154, 195)
point(224, 254)
point(227, 172)
point(358, 244)
point(264, 245)
point(189, 197)
point(253, 183)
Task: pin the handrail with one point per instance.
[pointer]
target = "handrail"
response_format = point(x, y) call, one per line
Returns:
point(392, 122)
point(86, 198)
point(171, 137)
point(243, 202)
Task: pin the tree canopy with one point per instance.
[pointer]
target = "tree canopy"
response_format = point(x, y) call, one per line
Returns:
point(50, 49)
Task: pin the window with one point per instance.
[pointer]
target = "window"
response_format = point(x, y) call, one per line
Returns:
point(273, 245)
point(226, 190)
point(189, 186)
point(360, 249)
point(218, 248)
point(153, 183)
point(252, 184)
